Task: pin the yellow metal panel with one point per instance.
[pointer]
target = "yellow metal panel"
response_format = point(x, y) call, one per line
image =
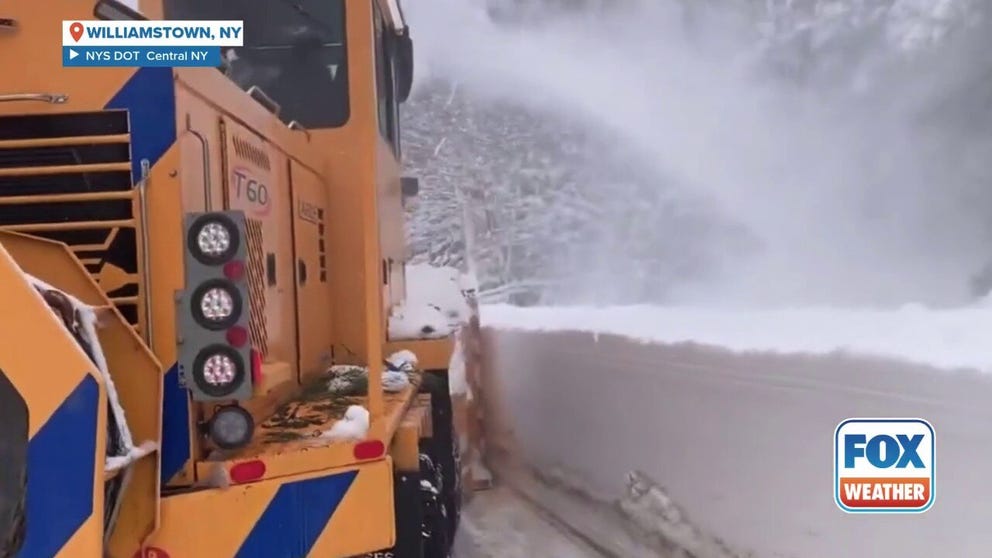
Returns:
point(199, 168)
point(135, 372)
point(88, 540)
point(364, 522)
point(53, 263)
point(432, 354)
point(164, 278)
point(249, 158)
point(292, 461)
point(67, 423)
point(152, 9)
point(330, 514)
point(39, 38)
point(416, 424)
point(137, 377)
point(226, 97)
point(29, 329)
point(356, 275)
point(309, 216)
point(211, 523)
point(392, 236)
point(287, 444)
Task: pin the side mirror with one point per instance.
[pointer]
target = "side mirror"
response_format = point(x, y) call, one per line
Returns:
point(403, 55)
point(112, 10)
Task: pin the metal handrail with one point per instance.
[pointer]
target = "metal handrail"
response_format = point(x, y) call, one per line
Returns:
point(295, 125)
point(263, 99)
point(205, 153)
point(146, 259)
point(53, 98)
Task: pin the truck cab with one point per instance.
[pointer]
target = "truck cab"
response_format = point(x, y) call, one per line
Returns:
point(243, 228)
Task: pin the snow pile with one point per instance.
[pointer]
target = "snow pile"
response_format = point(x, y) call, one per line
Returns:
point(435, 304)
point(947, 338)
point(404, 360)
point(397, 376)
point(354, 425)
point(349, 379)
point(395, 381)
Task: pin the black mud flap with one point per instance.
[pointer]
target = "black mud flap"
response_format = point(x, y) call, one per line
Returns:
point(13, 467)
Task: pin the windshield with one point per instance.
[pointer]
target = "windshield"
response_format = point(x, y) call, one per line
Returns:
point(294, 50)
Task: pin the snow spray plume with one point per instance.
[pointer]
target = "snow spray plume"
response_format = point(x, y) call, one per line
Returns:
point(843, 158)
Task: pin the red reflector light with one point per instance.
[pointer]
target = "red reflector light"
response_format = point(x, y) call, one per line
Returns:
point(256, 367)
point(234, 270)
point(247, 471)
point(237, 336)
point(369, 449)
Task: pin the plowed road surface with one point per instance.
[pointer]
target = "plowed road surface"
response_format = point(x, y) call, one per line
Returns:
point(496, 524)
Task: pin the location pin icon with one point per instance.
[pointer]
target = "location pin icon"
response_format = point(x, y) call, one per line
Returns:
point(76, 30)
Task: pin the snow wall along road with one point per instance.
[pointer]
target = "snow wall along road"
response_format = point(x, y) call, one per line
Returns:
point(739, 444)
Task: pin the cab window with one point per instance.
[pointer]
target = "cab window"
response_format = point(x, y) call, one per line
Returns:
point(294, 50)
point(385, 67)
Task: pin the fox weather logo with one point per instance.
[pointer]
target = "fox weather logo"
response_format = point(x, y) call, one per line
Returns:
point(884, 465)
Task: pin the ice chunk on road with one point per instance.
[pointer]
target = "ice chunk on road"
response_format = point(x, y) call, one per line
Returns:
point(353, 426)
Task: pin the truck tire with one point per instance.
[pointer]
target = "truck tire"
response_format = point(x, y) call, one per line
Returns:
point(434, 527)
point(452, 491)
point(443, 447)
point(13, 468)
point(17, 528)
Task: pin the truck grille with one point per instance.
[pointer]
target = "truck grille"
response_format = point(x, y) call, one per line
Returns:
point(67, 177)
point(256, 287)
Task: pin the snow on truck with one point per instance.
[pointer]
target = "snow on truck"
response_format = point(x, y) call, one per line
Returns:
point(207, 345)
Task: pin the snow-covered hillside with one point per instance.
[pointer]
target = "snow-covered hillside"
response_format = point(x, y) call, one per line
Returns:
point(815, 151)
point(906, 25)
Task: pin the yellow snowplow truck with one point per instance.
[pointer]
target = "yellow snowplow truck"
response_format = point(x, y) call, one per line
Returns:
point(196, 271)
